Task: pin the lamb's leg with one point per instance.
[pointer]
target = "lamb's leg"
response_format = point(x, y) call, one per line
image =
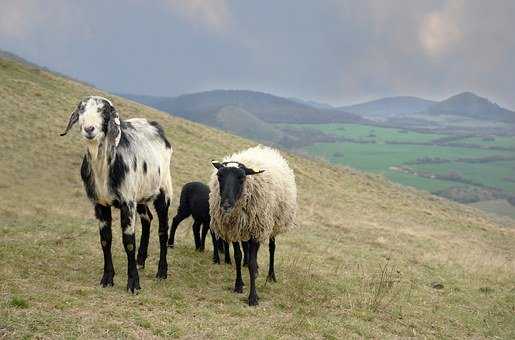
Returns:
point(205, 228)
point(216, 257)
point(271, 271)
point(227, 252)
point(238, 284)
point(253, 267)
point(245, 246)
point(128, 221)
point(181, 215)
point(162, 203)
point(146, 218)
point(196, 234)
point(103, 214)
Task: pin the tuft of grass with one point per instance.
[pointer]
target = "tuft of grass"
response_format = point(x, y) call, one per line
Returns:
point(18, 302)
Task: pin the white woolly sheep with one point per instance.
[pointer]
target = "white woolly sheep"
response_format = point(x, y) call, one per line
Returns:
point(253, 198)
point(126, 165)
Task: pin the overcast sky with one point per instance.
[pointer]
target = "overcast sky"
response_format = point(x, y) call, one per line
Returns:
point(339, 52)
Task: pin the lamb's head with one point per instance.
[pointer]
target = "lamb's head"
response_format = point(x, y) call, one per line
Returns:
point(231, 181)
point(97, 119)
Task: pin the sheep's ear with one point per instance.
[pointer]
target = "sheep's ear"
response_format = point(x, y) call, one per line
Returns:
point(217, 164)
point(249, 171)
point(113, 127)
point(74, 117)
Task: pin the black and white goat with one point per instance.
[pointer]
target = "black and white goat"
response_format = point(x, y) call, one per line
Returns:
point(127, 166)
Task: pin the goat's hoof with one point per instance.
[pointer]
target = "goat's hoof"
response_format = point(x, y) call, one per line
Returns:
point(253, 300)
point(171, 245)
point(141, 263)
point(271, 277)
point(133, 284)
point(216, 261)
point(107, 279)
point(228, 261)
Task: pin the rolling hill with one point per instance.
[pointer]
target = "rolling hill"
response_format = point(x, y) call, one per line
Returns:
point(369, 259)
point(389, 107)
point(468, 104)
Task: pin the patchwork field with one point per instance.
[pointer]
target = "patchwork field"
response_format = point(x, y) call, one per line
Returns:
point(441, 163)
point(370, 259)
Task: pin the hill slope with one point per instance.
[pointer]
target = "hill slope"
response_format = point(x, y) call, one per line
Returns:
point(391, 106)
point(201, 107)
point(470, 105)
point(360, 264)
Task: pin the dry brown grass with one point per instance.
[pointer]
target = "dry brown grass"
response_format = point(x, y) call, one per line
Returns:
point(332, 277)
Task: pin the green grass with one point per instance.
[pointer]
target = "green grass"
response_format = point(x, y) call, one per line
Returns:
point(507, 142)
point(497, 207)
point(331, 270)
point(368, 133)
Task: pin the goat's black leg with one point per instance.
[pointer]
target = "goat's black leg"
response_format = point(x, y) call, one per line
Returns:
point(238, 284)
point(245, 246)
point(146, 218)
point(227, 252)
point(205, 228)
point(271, 271)
point(128, 221)
point(216, 256)
point(103, 214)
point(162, 203)
point(181, 215)
point(196, 234)
point(253, 267)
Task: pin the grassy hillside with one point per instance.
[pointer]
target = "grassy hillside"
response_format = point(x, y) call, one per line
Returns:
point(362, 263)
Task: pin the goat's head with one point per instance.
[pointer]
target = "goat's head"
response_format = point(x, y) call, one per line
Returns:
point(231, 180)
point(97, 119)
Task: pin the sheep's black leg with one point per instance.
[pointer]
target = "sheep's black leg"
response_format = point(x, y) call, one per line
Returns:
point(227, 252)
point(181, 215)
point(216, 257)
point(103, 214)
point(146, 218)
point(162, 203)
point(245, 246)
point(238, 284)
point(128, 221)
point(205, 228)
point(271, 271)
point(196, 234)
point(253, 267)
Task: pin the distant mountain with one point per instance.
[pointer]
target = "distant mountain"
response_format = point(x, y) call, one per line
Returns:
point(312, 103)
point(390, 106)
point(468, 104)
point(203, 106)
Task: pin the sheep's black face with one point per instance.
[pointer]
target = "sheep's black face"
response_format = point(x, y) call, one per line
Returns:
point(96, 115)
point(231, 181)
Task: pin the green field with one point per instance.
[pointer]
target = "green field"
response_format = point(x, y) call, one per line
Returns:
point(383, 158)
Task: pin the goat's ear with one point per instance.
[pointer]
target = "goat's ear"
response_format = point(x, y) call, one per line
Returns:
point(113, 126)
point(249, 171)
point(74, 117)
point(217, 164)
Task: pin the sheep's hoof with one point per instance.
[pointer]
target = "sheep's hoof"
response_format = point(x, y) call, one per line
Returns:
point(253, 300)
point(170, 245)
point(228, 261)
point(162, 271)
point(133, 284)
point(238, 287)
point(216, 260)
point(107, 279)
point(271, 277)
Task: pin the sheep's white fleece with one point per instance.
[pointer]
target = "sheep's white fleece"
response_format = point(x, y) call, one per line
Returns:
point(268, 203)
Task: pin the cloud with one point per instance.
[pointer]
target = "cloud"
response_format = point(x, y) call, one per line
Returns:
point(214, 14)
point(439, 30)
